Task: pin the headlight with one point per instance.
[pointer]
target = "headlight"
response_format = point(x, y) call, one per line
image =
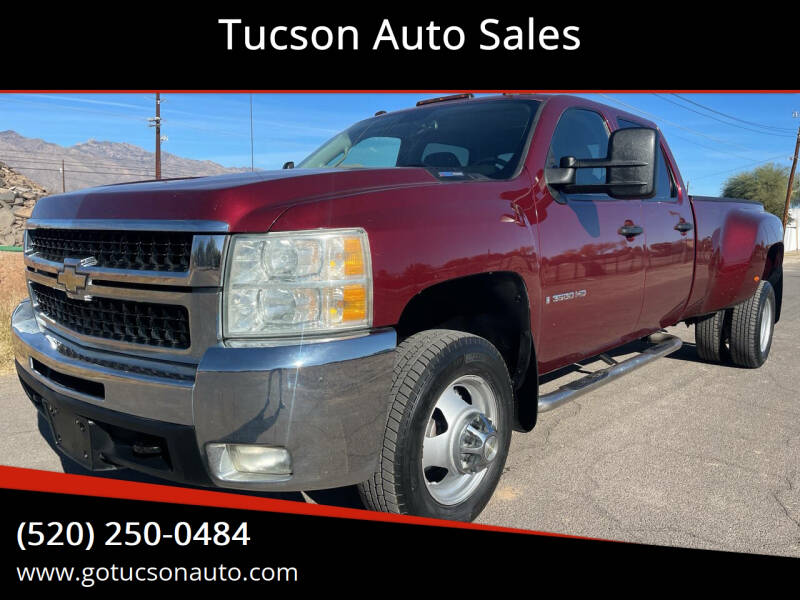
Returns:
point(296, 282)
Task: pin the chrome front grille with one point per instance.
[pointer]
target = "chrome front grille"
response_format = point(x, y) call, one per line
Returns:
point(150, 324)
point(128, 250)
point(135, 291)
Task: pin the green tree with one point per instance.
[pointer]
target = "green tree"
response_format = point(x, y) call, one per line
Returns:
point(765, 184)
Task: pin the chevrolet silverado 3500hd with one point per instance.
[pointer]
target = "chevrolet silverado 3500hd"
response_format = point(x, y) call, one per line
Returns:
point(381, 314)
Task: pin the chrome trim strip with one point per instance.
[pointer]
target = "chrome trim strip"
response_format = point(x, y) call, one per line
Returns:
point(121, 293)
point(131, 225)
point(128, 276)
point(207, 259)
point(295, 341)
point(205, 267)
point(311, 353)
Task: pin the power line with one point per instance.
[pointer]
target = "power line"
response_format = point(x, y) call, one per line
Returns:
point(118, 173)
point(697, 112)
point(173, 123)
point(761, 162)
point(25, 164)
point(673, 124)
point(720, 150)
point(714, 149)
point(731, 116)
point(79, 168)
point(74, 166)
point(74, 108)
point(143, 163)
point(81, 172)
point(90, 163)
point(68, 155)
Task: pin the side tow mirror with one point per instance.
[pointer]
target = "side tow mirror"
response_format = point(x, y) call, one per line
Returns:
point(630, 167)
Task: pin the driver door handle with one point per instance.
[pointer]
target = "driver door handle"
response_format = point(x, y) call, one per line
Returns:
point(630, 230)
point(683, 227)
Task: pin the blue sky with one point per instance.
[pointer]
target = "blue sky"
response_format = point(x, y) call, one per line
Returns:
point(708, 146)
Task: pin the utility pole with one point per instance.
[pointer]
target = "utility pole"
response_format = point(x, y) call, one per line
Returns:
point(791, 180)
point(156, 122)
point(63, 178)
point(158, 135)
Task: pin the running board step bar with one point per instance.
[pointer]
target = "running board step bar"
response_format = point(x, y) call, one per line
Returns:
point(663, 345)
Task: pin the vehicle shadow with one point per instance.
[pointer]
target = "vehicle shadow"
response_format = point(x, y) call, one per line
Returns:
point(346, 497)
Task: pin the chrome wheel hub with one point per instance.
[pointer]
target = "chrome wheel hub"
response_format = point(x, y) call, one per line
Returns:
point(461, 440)
point(477, 445)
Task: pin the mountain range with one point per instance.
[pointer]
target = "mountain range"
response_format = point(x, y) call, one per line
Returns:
point(94, 163)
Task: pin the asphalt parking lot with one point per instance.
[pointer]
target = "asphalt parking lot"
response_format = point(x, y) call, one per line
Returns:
point(680, 452)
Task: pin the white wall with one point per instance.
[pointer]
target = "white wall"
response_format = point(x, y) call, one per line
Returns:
point(791, 242)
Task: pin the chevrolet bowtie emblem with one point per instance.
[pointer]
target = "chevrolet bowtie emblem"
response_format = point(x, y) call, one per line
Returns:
point(70, 278)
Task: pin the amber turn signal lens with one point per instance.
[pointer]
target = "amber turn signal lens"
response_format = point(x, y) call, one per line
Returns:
point(355, 303)
point(353, 257)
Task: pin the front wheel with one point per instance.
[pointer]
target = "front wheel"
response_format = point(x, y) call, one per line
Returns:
point(448, 430)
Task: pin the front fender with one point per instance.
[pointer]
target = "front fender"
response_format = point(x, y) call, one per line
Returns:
point(430, 234)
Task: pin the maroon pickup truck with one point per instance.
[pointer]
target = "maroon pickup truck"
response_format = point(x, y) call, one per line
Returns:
point(381, 314)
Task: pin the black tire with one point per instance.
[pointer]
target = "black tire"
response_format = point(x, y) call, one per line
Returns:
point(747, 349)
point(425, 365)
point(711, 334)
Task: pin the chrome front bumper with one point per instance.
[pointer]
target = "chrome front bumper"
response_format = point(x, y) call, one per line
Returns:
point(324, 401)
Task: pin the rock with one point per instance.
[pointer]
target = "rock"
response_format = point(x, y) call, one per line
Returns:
point(6, 219)
point(18, 196)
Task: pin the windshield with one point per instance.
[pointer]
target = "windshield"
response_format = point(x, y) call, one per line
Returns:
point(486, 139)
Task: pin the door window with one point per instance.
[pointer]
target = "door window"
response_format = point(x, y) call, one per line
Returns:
point(583, 134)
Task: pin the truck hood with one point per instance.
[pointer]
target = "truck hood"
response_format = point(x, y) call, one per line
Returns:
point(246, 202)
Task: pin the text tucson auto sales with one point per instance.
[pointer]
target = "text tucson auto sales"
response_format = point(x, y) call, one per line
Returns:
point(494, 35)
